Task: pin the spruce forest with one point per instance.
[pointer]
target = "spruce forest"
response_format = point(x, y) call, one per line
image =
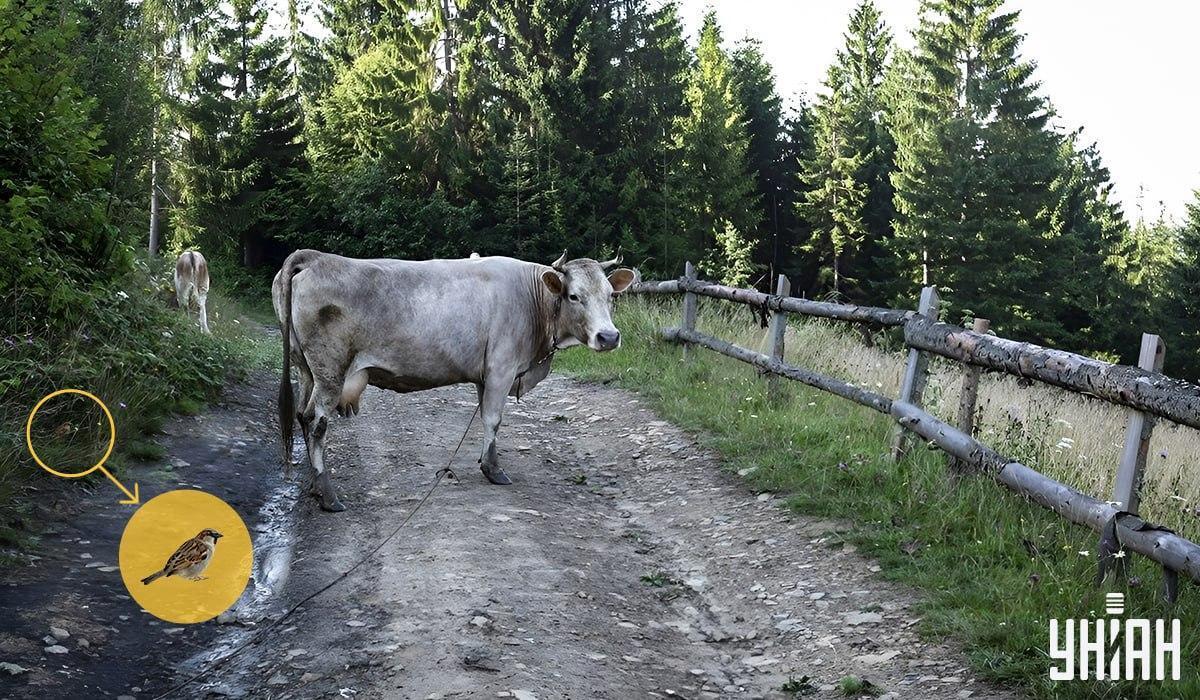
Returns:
point(437, 128)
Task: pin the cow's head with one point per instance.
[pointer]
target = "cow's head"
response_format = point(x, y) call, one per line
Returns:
point(585, 296)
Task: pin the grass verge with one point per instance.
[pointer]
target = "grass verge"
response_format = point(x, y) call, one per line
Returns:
point(143, 359)
point(993, 567)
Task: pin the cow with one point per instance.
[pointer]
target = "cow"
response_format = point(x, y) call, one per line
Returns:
point(191, 278)
point(405, 325)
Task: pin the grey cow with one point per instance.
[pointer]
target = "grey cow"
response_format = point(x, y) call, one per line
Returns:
point(412, 325)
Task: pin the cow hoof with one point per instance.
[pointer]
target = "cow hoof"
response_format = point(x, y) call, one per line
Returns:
point(332, 505)
point(495, 475)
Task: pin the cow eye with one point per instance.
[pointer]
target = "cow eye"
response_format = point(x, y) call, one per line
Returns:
point(573, 297)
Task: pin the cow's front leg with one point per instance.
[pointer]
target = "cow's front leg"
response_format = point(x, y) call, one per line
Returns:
point(491, 408)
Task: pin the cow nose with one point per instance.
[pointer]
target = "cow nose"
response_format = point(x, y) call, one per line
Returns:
point(607, 340)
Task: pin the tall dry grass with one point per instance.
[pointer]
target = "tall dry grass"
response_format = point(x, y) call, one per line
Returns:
point(1070, 437)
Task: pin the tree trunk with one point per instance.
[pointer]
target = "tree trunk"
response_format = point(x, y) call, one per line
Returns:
point(154, 235)
point(153, 245)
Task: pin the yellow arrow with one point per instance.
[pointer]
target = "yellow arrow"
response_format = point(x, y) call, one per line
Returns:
point(134, 496)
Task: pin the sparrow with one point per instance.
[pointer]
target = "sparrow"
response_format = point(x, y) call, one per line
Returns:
point(191, 559)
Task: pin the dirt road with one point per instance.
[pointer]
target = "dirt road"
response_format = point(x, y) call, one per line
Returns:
point(622, 563)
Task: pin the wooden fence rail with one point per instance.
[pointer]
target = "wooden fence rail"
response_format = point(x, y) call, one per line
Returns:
point(771, 302)
point(1144, 390)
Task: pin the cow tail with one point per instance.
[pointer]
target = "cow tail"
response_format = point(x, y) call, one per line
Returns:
point(287, 400)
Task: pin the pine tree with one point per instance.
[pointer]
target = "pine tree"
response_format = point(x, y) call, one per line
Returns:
point(710, 182)
point(173, 31)
point(848, 203)
point(796, 149)
point(975, 169)
point(1185, 294)
point(243, 124)
point(381, 105)
point(653, 98)
point(311, 73)
point(599, 83)
point(867, 53)
point(528, 208)
point(351, 31)
point(730, 257)
point(1087, 231)
point(763, 109)
point(834, 202)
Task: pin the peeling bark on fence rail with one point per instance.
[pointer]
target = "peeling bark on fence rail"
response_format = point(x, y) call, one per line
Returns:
point(767, 364)
point(1133, 533)
point(804, 307)
point(1155, 393)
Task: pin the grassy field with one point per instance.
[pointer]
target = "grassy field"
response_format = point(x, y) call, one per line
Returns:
point(144, 360)
point(993, 567)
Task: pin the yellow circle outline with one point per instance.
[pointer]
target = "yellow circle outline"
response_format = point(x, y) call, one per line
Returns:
point(112, 433)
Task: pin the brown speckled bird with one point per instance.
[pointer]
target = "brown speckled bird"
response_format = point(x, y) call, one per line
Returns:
point(191, 559)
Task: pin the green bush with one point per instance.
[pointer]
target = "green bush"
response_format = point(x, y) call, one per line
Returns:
point(143, 359)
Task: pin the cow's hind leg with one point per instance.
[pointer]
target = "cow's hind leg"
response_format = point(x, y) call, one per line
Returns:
point(322, 404)
point(202, 302)
point(303, 399)
point(183, 296)
point(491, 409)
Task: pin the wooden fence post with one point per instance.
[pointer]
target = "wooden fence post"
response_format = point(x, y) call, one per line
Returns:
point(915, 373)
point(968, 398)
point(783, 288)
point(1127, 490)
point(689, 307)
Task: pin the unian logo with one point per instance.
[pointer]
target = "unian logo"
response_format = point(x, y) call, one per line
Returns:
point(1114, 649)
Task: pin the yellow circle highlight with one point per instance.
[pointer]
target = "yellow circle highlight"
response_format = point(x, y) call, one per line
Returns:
point(112, 433)
point(158, 529)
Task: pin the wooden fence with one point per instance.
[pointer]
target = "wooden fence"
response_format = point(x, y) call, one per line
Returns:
point(1144, 390)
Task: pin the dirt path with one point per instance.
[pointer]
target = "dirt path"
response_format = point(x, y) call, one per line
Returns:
point(622, 563)
point(113, 649)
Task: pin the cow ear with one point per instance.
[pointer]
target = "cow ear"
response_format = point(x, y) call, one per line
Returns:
point(553, 281)
point(620, 279)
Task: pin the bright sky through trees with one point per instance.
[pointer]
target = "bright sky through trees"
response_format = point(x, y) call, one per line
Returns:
point(1125, 71)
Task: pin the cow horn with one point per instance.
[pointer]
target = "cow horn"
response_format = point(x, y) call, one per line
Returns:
point(562, 260)
point(611, 263)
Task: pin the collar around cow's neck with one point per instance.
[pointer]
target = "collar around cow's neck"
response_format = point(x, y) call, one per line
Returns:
point(555, 315)
point(549, 353)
